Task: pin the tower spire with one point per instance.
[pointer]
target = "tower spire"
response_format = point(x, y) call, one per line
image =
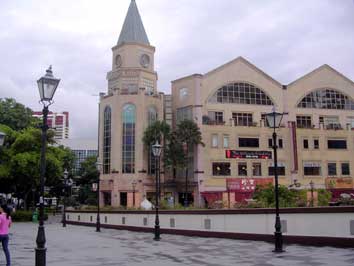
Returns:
point(133, 29)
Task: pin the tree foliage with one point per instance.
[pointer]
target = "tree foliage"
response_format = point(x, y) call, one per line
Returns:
point(15, 115)
point(88, 174)
point(265, 196)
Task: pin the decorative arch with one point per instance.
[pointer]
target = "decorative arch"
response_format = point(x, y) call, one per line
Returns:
point(326, 98)
point(152, 114)
point(128, 141)
point(240, 93)
point(107, 126)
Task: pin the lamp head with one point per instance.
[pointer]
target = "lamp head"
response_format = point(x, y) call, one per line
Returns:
point(47, 86)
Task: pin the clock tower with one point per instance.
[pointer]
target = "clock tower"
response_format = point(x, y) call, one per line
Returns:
point(130, 104)
point(133, 57)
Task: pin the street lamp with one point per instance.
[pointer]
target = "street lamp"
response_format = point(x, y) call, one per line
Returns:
point(47, 86)
point(156, 150)
point(65, 182)
point(274, 120)
point(98, 222)
point(185, 150)
point(312, 186)
point(134, 183)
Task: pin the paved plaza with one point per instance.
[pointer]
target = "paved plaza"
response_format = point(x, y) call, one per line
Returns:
point(78, 245)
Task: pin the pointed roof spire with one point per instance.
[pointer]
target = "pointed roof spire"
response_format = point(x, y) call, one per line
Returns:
point(133, 28)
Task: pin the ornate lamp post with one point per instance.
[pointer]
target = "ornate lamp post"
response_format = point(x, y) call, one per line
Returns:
point(98, 222)
point(312, 186)
point(134, 183)
point(274, 120)
point(156, 150)
point(47, 86)
point(65, 183)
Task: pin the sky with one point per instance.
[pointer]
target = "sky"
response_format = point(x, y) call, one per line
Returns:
point(284, 38)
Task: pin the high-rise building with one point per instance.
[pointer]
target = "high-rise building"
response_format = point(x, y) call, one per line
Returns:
point(59, 122)
point(315, 141)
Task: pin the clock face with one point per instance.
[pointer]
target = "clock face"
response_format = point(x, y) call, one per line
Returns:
point(144, 60)
point(118, 60)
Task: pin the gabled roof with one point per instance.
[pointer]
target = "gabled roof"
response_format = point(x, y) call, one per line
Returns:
point(323, 67)
point(243, 60)
point(133, 29)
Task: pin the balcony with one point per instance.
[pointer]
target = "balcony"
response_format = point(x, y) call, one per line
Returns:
point(206, 120)
point(334, 126)
point(241, 123)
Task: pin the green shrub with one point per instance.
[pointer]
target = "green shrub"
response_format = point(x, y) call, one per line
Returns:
point(324, 197)
point(21, 216)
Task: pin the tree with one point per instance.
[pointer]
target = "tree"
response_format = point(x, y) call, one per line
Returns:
point(188, 134)
point(20, 162)
point(88, 174)
point(15, 115)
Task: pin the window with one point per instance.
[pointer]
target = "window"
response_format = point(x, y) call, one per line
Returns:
point(327, 99)
point(256, 169)
point(281, 169)
point(226, 141)
point(330, 122)
point(149, 86)
point(221, 169)
point(264, 118)
point(184, 113)
point(240, 93)
point(242, 119)
point(332, 169)
point(280, 143)
point(107, 140)
point(316, 144)
point(306, 143)
point(214, 141)
point(216, 117)
point(152, 115)
point(350, 122)
point(337, 144)
point(128, 143)
point(312, 168)
point(242, 169)
point(248, 142)
point(183, 93)
point(303, 121)
point(345, 168)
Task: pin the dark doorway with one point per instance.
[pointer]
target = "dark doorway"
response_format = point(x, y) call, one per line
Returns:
point(107, 199)
point(189, 198)
point(123, 199)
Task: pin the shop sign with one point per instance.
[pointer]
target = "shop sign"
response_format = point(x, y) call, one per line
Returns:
point(246, 184)
point(345, 182)
point(235, 154)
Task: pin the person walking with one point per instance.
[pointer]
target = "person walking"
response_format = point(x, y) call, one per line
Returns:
point(5, 224)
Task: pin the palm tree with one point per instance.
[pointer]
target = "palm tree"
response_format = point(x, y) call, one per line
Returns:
point(157, 131)
point(188, 133)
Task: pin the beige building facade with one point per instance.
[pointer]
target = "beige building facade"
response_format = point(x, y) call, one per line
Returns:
point(315, 140)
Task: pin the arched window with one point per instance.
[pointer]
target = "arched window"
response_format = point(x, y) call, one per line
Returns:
point(240, 93)
point(128, 147)
point(152, 115)
point(326, 99)
point(107, 140)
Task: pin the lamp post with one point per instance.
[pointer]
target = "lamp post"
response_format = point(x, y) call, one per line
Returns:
point(134, 183)
point(47, 86)
point(65, 182)
point(185, 149)
point(274, 120)
point(312, 186)
point(98, 222)
point(156, 150)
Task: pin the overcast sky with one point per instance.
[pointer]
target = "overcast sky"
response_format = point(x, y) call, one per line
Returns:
point(284, 38)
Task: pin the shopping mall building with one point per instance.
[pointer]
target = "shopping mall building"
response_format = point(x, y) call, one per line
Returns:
point(229, 103)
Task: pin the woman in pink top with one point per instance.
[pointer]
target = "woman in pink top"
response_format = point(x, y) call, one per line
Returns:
point(5, 223)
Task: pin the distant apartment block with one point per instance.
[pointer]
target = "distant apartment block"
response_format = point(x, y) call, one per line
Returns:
point(82, 149)
point(59, 122)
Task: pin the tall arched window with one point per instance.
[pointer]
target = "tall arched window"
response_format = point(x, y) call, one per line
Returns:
point(107, 140)
point(326, 99)
point(240, 93)
point(128, 147)
point(152, 115)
